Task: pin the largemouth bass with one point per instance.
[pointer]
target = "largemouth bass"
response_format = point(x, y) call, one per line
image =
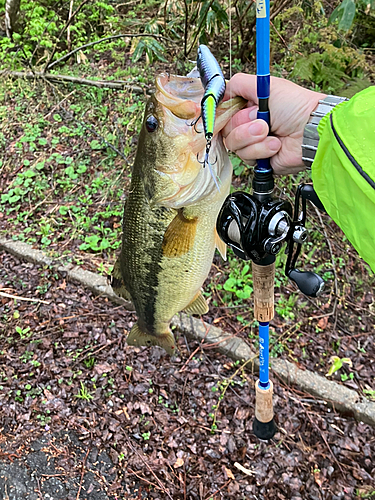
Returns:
point(169, 234)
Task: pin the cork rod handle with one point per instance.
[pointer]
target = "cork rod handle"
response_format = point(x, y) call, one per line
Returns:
point(264, 282)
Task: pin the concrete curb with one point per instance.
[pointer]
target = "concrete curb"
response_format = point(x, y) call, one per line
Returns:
point(341, 398)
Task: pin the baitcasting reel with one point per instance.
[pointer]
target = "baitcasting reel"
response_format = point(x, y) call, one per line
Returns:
point(256, 227)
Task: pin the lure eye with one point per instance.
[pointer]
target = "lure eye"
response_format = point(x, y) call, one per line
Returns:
point(151, 123)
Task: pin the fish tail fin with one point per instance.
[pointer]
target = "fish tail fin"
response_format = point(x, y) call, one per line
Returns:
point(138, 337)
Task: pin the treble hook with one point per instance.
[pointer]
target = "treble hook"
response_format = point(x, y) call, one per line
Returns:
point(206, 161)
point(194, 123)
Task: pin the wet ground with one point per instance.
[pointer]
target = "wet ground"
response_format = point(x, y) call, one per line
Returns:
point(84, 416)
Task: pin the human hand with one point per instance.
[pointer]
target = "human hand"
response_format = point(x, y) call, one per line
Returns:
point(290, 107)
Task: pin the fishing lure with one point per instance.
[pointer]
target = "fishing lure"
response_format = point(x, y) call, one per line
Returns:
point(213, 82)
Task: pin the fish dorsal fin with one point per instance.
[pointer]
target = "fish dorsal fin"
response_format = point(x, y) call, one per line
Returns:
point(117, 283)
point(198, 305)
point(221, 246)
point(137, 337)
point(179, 236)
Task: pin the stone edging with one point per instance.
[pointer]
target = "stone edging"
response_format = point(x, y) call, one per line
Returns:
point(338, 396)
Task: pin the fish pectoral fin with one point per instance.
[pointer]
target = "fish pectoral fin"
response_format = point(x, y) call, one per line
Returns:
point(117, 282)
point(179, 236)
point(221, 246)
point(139, 338)
point(197, 306)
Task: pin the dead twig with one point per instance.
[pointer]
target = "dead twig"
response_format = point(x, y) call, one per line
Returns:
point(93, 353)
point(68, 41)
point(248, 472)
point(9, 296)
point(323, 437)
point(38, 489)
point(334, 308)
point(82, 474)
point(276, 10)
point(161, 486)
point(196, 350)
point(203, 20)
point(116, 84)
point(69, 21)
point(143, 479)
point(212, 495)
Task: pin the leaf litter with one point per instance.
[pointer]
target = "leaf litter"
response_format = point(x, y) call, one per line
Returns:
point(150, 422)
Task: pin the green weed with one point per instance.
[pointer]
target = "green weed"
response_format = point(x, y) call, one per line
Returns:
point(84, 393)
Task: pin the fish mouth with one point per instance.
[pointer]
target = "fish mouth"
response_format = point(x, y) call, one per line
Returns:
point(180, 94)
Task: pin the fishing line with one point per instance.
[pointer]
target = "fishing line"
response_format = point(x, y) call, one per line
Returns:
point(230, 38)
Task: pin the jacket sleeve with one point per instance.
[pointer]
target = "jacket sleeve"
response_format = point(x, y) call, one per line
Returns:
point(343, 170)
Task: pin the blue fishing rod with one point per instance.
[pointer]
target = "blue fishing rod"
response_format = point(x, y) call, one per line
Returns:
point(256, 225)
point(264, 269)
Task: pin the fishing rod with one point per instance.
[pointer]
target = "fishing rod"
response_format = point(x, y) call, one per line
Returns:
point(256, 225)
point(264, 269)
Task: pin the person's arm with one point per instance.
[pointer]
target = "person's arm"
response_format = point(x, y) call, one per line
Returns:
point(343, 152)
point(343, 170)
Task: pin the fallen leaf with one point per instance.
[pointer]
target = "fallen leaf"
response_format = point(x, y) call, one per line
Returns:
point(323, 322)
point(102, 368)
point(228, 472)
point(179, 463)
point(243, 469)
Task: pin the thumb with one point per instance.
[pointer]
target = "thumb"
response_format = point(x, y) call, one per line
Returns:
point(242, 85)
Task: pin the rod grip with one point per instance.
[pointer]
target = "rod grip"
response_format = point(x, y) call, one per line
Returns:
point(264, 426)
point(263, 403)
point(264, 283)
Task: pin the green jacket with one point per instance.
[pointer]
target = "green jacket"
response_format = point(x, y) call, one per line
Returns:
point(343, 170)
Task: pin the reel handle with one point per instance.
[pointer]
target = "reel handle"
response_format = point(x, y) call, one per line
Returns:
point(309, 283)
point(308, 193)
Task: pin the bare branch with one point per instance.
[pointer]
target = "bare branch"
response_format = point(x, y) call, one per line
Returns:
point(115, 84)
point(63, 58)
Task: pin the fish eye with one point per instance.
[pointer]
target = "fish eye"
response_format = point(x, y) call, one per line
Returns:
point(151, 123)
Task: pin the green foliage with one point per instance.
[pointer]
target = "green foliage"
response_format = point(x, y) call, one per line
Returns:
point(349, 10)
point(239, 282)
point(212, 19)
point(344, 13)
point(24, 333)
point(285, 306)
point(40, 26)
point(238, 165)
point(336, 364)
point(318, 55)
point(369, 393)
point(84, 393)
point(149, 47)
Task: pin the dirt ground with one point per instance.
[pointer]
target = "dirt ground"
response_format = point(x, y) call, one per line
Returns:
point(84, 416)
